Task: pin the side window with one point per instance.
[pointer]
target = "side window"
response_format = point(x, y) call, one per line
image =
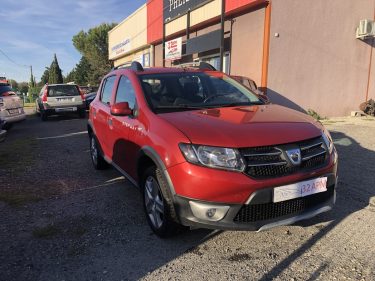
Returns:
point(125, 92)
point(106, 93)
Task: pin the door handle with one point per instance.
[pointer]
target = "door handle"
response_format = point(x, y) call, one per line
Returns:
point(110, 121)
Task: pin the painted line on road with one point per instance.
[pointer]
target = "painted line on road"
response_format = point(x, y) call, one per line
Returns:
point(63, 136)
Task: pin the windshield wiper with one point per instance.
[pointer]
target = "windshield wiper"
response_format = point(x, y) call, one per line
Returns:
point(179, 106)
point(236, 104)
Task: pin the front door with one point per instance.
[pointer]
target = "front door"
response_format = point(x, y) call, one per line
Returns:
point(125, 130)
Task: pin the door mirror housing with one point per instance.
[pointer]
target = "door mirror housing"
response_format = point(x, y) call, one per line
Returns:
point(264, 98)
point(121, 109)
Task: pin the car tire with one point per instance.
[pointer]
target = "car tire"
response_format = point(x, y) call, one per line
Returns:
point(82, 113)
point(7, 126)
point(43, 115)
point(96, 157)
point(158, 204)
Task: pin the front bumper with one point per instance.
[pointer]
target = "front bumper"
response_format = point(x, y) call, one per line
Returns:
point(260, 213)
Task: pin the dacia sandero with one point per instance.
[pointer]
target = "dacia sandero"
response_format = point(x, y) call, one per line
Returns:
point(206, 152)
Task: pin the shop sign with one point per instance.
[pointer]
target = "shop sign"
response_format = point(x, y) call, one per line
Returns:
point(175, 8)
point(173, 49)
point(121, 48)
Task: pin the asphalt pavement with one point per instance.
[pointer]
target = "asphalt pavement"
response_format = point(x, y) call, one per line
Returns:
point(62, 220)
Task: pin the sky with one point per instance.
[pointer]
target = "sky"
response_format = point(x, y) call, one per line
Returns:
point(32, 31)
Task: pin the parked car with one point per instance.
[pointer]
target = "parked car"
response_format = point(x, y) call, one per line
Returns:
point(2, 132)
point(250, 83)
point(89, 98)
point(60, 99)
point(206, 152)
point(11, 106)
point(88, 89)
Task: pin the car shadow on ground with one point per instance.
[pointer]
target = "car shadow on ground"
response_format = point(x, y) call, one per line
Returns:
point(353, 194)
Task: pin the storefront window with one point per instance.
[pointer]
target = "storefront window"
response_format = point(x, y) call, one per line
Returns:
point(215, 61)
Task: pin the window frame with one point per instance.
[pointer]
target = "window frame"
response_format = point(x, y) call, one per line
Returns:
point(134, 91)
point(103, 87)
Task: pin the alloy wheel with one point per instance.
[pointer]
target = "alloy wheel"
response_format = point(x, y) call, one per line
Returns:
point(154, 202)
point(94, 151)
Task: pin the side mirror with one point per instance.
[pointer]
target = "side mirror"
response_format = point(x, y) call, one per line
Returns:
point(264, 98)
point(121, 109)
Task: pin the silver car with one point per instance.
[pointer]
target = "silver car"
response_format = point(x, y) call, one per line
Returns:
point(11, 107)
point(59, 99)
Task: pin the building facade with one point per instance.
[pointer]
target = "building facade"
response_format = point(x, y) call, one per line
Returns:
point(303, 53)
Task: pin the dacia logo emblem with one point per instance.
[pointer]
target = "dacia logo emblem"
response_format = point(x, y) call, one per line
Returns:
point(294, 156)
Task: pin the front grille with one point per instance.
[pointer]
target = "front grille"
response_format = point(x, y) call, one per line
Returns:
point(272, 161)
point(268, 211)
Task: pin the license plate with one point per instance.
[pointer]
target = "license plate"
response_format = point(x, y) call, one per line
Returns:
point(13, 111)
point(64, 99)
point(299, 189)
point(66, 109)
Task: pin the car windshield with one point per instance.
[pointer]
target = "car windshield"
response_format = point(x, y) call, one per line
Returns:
point(63, 90)
point(166, 92)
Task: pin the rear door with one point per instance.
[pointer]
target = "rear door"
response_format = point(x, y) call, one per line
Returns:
point(102, 116)
point(63, 96)
point(125, 128)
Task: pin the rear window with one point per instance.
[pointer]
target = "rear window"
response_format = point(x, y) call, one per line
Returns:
point(63, 90)
point(4, 89)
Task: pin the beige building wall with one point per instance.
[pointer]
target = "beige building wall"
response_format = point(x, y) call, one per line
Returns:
point(247, 45)
point(316, 62)
point(134, 29)
point(371, 93)
point(158, 57)
point(135, 56)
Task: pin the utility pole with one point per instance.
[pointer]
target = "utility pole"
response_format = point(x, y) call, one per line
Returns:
point(31, 76)
point(222, 35)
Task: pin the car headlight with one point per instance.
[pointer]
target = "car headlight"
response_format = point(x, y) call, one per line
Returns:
point(214, 157)
point(327, 140)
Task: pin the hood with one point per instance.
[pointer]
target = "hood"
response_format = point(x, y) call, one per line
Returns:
point(244, 126)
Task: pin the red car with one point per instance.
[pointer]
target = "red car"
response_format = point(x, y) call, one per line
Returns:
point(206, 152)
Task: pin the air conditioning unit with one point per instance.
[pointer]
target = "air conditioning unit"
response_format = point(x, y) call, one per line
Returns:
point(366, 29)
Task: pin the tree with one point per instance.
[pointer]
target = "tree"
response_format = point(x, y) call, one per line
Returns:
point(54, 74)
point(23, 87)
point(71, 76)
point(81, 73)
point(14, 84)
point(32, 81)
point(93, 45)
point(44, 78)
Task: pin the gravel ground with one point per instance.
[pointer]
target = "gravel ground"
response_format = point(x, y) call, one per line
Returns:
point(62, 220)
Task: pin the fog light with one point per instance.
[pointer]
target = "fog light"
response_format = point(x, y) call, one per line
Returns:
point(208, 212)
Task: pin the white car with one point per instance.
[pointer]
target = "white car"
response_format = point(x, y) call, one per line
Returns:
point(11, 107)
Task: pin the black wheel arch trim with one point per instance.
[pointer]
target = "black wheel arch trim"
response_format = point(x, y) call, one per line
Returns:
point(91, 127)
point(154, 156)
